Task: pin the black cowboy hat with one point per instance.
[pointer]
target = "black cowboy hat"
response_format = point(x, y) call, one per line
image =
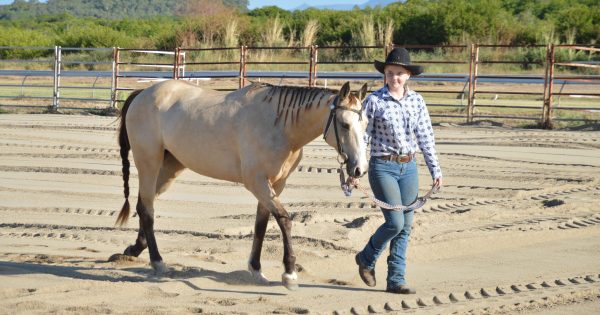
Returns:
point(399, 56)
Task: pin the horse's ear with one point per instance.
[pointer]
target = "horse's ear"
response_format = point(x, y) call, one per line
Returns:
point(363, 92)
point(344, 91)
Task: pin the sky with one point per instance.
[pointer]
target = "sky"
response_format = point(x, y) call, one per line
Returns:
point(288, 5)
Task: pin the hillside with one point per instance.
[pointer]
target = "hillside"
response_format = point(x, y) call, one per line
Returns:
point(107, 9)
point(348, 6)
point(166, 24)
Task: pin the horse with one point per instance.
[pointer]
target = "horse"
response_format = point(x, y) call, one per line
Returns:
point(253, 136)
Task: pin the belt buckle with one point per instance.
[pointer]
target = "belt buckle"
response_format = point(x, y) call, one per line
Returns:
point(399, 158)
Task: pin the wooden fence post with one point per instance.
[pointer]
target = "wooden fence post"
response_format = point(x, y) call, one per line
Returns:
point(115, 80)
point(176, 63)
point(548, 124)
point(311, 63)
point(113, 87)
point(546, 121)
point(474, 60)
point(242, 75)
point(314, 59)
point(386, 50)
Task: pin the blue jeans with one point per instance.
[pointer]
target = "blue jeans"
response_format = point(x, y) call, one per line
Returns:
point(395, 183)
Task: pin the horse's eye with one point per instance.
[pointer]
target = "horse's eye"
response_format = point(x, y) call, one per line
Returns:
point(346, 126)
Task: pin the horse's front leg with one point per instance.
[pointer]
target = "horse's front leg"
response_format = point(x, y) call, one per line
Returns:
point(268, 197)
point(260, 228)
point(289, 278)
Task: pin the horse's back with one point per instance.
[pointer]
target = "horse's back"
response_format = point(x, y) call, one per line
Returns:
point(171, 92)
point(191, 122)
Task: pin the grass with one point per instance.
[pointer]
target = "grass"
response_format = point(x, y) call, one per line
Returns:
point(310, 33)
point(108, 111)
point(42, 87)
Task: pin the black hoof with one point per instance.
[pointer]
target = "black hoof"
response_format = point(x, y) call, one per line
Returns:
point(131, 251)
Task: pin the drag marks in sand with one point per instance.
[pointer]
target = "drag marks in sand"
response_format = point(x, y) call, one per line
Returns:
point(494, 300)
point(124, 236)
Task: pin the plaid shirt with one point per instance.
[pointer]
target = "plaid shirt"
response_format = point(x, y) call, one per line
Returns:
point(394, 124)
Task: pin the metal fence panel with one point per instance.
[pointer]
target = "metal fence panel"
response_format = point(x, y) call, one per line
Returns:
point(55, 78)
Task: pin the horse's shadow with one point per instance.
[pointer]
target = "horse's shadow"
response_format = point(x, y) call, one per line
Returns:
point(129, 274)
point(238, 277)
point(74, 272)
point(178, 272)
point(146, 274)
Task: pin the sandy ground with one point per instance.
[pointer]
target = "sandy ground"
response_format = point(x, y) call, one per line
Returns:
point(516, 229)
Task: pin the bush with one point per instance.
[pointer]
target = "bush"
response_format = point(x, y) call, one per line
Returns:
point(12, 36)
point(93, 35)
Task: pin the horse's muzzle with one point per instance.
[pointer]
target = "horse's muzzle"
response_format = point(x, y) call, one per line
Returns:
point(355, 170)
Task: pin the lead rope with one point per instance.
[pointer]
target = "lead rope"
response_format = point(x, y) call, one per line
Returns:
point(420, 202)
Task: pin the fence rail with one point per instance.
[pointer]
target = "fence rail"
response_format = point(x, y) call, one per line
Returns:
point(470, 85)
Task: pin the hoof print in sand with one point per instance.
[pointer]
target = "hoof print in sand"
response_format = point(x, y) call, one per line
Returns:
point(291, 310)
point(357, 223)
point(120, 259)
point(338, 282)
point(553, 203)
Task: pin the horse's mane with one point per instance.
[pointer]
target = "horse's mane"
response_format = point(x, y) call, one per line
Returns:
point(291, 99)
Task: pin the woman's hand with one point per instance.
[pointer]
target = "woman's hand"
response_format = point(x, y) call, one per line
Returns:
point(437, 183)
point(353, 181)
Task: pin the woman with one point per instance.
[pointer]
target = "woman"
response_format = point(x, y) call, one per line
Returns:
point(398, 123)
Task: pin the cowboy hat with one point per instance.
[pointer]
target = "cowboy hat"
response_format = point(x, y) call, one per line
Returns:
point(399, 56)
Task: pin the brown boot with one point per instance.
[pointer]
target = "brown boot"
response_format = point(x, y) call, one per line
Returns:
point(401, 289)
point(367, 275)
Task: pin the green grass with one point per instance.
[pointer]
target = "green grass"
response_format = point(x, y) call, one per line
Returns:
point(43, 88)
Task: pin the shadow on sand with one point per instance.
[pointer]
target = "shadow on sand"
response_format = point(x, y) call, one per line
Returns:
point(146, 274)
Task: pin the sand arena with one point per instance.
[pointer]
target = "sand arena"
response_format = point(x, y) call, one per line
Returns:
point(516, 229)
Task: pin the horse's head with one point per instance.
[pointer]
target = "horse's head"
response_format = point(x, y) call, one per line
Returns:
point(346, 128)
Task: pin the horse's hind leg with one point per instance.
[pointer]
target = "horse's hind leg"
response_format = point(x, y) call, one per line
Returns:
point(149, 163)
point(140, 243)
point(171, 167)
point(169, 170)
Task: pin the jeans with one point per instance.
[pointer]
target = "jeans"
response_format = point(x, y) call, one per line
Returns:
point(394, 183)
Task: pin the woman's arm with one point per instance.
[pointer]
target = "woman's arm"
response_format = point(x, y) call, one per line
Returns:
point(426, 141)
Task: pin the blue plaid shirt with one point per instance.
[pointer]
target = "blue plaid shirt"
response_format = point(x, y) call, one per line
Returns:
point(398, 126)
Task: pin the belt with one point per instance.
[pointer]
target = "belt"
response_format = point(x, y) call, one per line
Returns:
point(398, 158)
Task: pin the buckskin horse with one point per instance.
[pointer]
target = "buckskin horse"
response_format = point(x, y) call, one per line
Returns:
point(252, 136)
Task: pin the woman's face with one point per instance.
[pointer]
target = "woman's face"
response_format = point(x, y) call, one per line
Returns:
point(396, 76)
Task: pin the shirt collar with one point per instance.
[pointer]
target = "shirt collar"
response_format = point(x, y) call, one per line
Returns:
point(385, 92)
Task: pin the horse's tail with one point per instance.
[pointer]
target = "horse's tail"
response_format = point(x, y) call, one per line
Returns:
point(125, 147)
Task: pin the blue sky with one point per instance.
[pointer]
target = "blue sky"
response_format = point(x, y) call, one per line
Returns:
point(288, 5)
point(252, 4)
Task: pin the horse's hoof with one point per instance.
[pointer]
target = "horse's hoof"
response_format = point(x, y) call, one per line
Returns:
point(159, 267)
point(128, 252)
point(290, 281)
point(258, 276)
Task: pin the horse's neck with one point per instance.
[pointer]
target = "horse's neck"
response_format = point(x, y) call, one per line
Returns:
point(309, 125)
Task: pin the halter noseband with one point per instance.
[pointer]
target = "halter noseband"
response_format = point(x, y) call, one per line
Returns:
point(333, 118)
